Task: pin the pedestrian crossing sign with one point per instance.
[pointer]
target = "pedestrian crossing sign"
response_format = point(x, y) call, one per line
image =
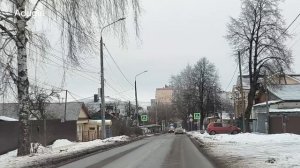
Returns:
point(144, 118)
point(197, 116)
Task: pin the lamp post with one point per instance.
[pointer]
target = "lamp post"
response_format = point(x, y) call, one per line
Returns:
point(101, 90)
point(136, 100)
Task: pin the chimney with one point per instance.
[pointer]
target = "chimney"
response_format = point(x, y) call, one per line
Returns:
point(96, 98)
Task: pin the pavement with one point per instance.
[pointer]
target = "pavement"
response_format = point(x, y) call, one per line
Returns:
point(164, 151)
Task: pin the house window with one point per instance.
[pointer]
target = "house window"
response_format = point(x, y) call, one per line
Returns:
point(92, 128)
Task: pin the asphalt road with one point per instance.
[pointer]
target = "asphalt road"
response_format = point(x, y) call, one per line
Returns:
point(165, 151)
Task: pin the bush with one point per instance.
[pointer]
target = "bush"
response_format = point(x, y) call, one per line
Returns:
point(119, 127)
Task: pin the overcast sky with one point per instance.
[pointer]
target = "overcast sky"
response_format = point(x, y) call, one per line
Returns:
point(174, 33)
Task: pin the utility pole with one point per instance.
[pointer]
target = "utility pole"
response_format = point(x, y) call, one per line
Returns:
point(242, 92)
point(156, 106)
point(136, 105)
point(136, 99)
point(267, 104)
point(102, 105)
point(129, 109)
point(102, 79)
point(65, 113)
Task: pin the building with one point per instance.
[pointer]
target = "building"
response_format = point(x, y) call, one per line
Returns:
point(284, 111)
point(238, 101)
point(86, 128)
point(164, 95)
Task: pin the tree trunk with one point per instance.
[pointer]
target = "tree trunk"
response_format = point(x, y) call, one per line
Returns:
point(248, 110)
point(22, 82)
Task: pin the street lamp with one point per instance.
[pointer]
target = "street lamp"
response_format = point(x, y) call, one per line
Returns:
point(136, 100)
point(101, 90)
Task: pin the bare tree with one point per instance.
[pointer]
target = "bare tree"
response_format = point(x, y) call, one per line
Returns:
point(206, 82)
point(77, 18)
point(195, 90)
point(259, 34)
point(39, 100)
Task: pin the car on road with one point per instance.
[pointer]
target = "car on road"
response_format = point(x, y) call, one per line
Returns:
point(179, 130)
point(219, 128)
point(171, 129)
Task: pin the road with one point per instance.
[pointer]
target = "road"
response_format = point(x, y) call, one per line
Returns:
point(164, 151)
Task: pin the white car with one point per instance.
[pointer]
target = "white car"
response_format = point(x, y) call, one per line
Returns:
point(179, 130)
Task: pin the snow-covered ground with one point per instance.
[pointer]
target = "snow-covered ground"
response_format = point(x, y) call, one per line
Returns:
point(59, 148)
point(253, 150)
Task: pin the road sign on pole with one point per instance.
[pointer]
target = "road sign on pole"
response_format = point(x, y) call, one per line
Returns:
point(144, 118)
point(197, 116)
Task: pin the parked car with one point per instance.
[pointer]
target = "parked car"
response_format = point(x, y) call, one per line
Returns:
point(219, 128)
point(179, 130)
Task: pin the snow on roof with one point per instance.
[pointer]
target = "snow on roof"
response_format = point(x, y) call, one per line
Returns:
point(55, 110)
point(3, 118)
point(99, 122)
point(270, 102)
point(271, 110)
point(226, 116)
point(285, 110)
point(286, 92)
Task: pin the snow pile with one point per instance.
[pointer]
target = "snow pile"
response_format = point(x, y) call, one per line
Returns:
point(59, 148)
point(61, 143)
point(253, 150)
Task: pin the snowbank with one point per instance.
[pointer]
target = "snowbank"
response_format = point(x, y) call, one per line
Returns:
point(60, 147)
point(253, 150)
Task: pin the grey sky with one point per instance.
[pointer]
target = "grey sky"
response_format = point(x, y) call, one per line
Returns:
point(174, 33)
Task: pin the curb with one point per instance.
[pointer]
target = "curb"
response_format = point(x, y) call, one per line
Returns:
point(201, 147)
point(62, 160)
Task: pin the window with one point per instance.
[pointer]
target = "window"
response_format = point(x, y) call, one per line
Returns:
point(218, 124)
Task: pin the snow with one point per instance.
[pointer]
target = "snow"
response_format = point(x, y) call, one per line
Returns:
point(284, 110)
point(61, 147)
point(287, 92)
point(269, 102)
point(4, 118)
point(61, 143)
point(271, 110)
point(253, 150)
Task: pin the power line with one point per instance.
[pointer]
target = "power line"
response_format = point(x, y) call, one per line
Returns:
point(232, 77)
point(291, 24)
point(117, 65)
point(120, 84)
point(86, 77)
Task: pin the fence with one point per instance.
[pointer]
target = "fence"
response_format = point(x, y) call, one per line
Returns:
point(42, 131)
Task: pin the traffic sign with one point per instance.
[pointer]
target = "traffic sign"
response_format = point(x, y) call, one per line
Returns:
point(197, 116)
point(144, 118)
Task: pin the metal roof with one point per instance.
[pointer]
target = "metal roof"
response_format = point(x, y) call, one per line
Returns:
point(55, 110)
point(286, 92)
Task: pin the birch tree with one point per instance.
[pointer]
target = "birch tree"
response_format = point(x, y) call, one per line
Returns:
point(259, 33)
point(78, 21)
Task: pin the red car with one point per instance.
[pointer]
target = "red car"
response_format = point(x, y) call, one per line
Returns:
point(218, 128)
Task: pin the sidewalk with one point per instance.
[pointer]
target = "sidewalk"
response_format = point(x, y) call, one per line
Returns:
point(62, 151)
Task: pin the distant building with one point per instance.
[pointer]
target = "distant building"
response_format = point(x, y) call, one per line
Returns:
point(164, 95)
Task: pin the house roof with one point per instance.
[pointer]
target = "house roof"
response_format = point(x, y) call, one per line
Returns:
point(286, 92)
point(293, 110)
point(72, 111)
point(55, 110)
point(269, 102)
point(246, 79)
point(3, 118)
